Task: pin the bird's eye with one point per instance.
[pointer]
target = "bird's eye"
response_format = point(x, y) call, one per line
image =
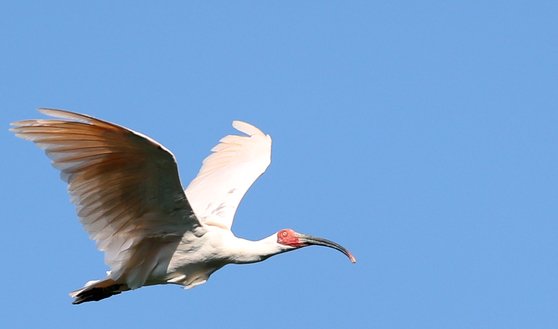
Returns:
point(284, 234)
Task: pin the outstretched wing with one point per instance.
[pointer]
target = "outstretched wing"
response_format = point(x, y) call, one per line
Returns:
point(125, 187)
point(227, 173)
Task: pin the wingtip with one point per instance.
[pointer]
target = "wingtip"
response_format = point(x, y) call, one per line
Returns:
point(17, 126)
point(246, 128)
point(79, 117)
point(57, 113)
point(50, 111)
point(64, 114)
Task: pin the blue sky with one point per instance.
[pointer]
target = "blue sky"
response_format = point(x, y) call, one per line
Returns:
point(420, 135)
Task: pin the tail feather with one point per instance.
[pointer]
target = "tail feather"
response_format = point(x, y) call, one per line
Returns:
point(97, 290)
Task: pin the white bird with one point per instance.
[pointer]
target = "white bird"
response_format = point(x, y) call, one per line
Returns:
point(130, 200)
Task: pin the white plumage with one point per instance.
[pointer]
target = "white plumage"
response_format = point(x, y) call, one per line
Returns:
point(130, 200)
point(226, 174)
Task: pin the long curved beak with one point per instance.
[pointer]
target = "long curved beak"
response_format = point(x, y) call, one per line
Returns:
point(308, 240)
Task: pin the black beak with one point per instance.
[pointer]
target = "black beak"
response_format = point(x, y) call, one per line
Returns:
point(308, 240)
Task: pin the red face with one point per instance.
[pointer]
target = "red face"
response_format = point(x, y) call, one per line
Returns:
point(288, 237)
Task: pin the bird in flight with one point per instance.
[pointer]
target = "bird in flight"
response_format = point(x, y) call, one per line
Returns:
point(129, 198)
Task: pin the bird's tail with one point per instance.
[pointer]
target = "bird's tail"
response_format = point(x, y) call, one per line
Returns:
point(97, 290)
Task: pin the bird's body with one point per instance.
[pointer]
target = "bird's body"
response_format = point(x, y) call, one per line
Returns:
point(129, 198)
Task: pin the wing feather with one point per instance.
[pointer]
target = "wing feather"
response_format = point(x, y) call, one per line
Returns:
point(227, 174)
point(125, 187)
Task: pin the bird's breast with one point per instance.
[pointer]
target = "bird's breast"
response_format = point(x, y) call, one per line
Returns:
point(196, 258)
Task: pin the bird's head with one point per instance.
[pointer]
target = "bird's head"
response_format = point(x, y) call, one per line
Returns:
point(290, 238)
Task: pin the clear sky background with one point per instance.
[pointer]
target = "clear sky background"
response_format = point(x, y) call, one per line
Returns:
point(422, 135)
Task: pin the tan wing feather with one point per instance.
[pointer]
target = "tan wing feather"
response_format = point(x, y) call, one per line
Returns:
point(125, 187)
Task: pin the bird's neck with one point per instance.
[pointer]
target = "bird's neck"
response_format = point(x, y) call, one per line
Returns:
point(246, 251)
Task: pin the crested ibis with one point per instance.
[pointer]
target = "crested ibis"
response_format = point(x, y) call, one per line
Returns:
point(129, 199)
